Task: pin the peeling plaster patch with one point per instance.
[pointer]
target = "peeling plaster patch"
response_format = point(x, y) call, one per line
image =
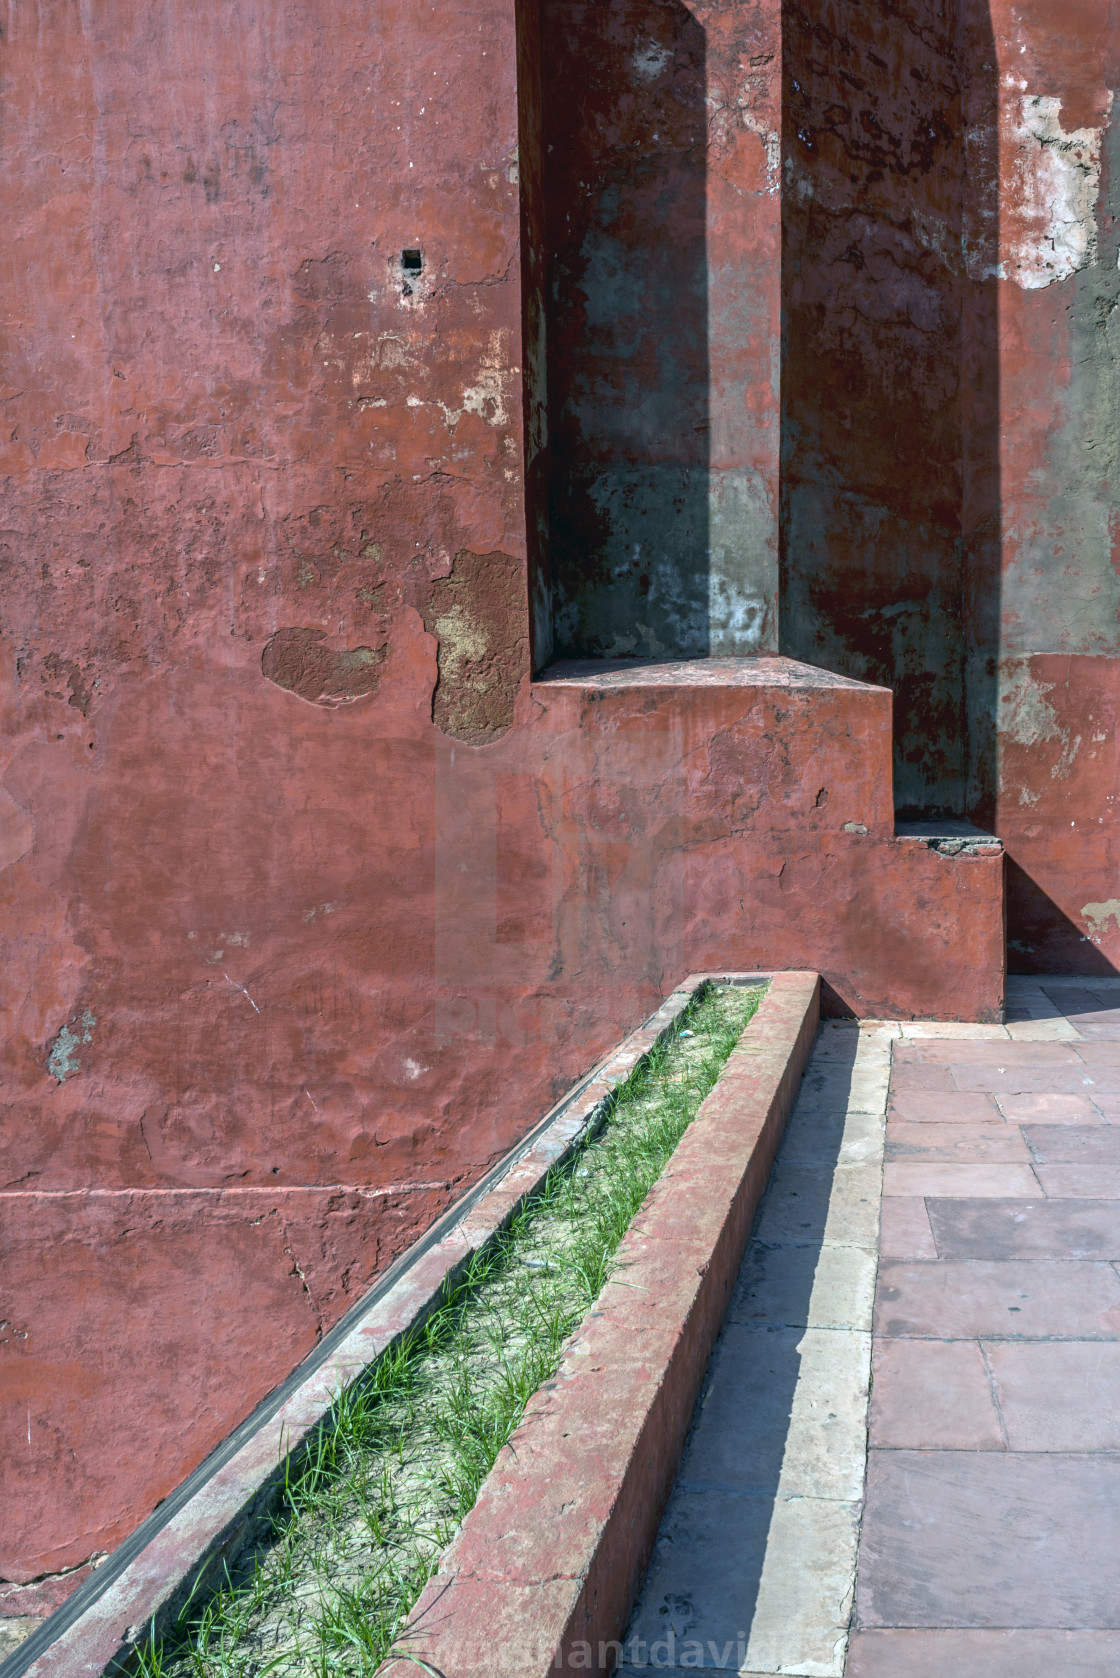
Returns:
point(487, 398)
point(1098, 915)
point(298, 660)
point(1026, 716)
point(477, 615)
point(1051, 216)
point(62, 1062)
point(1065, 763)
point(650, 59)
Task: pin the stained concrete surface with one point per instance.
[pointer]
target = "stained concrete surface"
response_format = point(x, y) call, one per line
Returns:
point(988, 1524)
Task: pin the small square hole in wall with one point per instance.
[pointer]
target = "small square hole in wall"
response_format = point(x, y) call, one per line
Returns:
point(411, 262)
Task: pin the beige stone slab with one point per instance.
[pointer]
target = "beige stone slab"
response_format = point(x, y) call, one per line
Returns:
point(837, 1138)
point(773, 1579)
point(801, 1287)
point(804, 1206)
point(804, 1604)
point(1056, 1029)
point(862, 1090)
point(786, 1411)
point(935, 1180)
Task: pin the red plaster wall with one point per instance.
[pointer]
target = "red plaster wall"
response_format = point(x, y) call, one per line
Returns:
point(311, 900)
point(1057, 689)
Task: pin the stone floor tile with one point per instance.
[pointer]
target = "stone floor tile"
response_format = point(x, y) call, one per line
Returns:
point(954, 1030)
point(805, 1287)
point(908, 1078)
point(1094, 1031)
point(999, 1078)
point(961, 1144)
point(836, 1138)
point(982, 1299)
point(953, 1539)
point(1107, 1103)
point(776, 1577)
point(1050, 1028)
point(931, 1177)
point(1060, 1395)
point(933, 1395)
point(1099, 1053)
point(863, 1090)
point(943, 1107)
point(1049, 1109)
point(905, 1229)
point(806, 1206)
point(1058, 1229)
point(1071, 1144)
point(1080, 1182)
point(1007, 1053)
point(785, 1411)
point(984, 1654)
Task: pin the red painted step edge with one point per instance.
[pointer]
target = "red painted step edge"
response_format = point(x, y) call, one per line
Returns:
point(547, 1565)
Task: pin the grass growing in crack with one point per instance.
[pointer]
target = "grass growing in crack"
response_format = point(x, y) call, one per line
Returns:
point(380, 1493)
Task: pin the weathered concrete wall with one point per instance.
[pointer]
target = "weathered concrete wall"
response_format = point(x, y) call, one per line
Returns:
point(312, 900)
point(661, 179)
point(874, 201)
point(1055, 753)
point(248, 456)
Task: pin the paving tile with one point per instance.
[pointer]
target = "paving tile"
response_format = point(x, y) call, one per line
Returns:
point(982, 1298)
point(993, 1229)
point(992, 1538)
point(1084, 1182)
point(1104, 1053)
point(1107, 1103)
point(805, 1287)
point(905, 1229)
point(1071, 1144)
point(1049, 1109)
point(984, 1654)
point(832, 1138)
point(809, 1206)
point(1059, 1395)
point(1007, 1053)
point(785, 1409)
point(1050, 1028)
point(998, 1078)
point(943, 1107)
point(933, 1395)
point(908, 1077)
point(933, 1177)
point(863, 1090)
point(775, 1577)
point(955, 1030)
point(962, 1144)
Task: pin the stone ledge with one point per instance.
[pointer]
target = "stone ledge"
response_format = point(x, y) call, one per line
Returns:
point(554, 1551)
